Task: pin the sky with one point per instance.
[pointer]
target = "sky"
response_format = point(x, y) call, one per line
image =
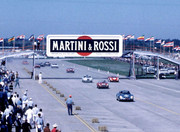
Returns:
point(158, 18)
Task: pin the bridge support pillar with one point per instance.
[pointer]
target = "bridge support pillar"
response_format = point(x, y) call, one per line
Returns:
point(132, 67)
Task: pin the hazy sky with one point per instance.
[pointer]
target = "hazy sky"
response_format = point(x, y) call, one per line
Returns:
point(158, 18)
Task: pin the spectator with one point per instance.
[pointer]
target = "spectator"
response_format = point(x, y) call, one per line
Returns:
point(40, 112)
point(17, 74)
point(55, 128)
point(26, 127)
point(46, 129)
point(35, 45)
point(38, 45)
point(39, 123)
point(69, 103)
point(35, 113)
point(11, 87)
point(9, 122)
point(30, 103)
point(18, 124)
point(29, 114)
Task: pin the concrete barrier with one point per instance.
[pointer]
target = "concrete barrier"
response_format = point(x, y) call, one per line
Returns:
point(44, 82)
point(51, 87)
point(102, 128)
point(65, 99)
point(54, 89)
point(61, 95)
point(77, 108)
point(95, 120)
point(57, 92)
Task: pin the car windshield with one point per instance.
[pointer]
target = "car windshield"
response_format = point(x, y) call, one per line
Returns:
point(87, 76)
point(125, 92)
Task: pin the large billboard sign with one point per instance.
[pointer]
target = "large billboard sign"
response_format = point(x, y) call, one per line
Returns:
point(84, 45)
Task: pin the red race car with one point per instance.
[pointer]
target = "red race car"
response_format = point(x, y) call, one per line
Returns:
point(70, 70)
point(113, 79)
point(25, 62)
point(102, 84)
point(37, 66)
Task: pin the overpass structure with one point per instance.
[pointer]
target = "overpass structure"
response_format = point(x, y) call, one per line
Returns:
point(147, 53)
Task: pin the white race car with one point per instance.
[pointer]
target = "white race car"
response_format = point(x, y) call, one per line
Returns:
point(54, 66)
point(87, 78)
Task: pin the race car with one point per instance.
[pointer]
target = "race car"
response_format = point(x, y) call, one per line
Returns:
point(113, 79)
point(102, 84)
point(47, 63)
point(87, 78)
point(124, 95)
point(54, 66)
point(25, 62)
point(70, 70)
point(37, 66)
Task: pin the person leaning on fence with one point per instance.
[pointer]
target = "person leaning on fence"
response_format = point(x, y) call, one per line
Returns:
point(69, 103)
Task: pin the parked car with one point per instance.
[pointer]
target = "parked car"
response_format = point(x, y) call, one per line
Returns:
point(124, 95)
point(171, 70)
point(163, 71)
point(87, 78)
point(54, 66)
point(113, 79)
point(70, 70)
point(103, 84)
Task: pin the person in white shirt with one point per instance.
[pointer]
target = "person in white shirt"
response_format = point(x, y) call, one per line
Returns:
point(40, 77)
point(35, 113)
point(29, 115)
point(30, 103)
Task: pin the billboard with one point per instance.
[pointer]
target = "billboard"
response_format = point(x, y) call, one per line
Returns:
point(84, 45)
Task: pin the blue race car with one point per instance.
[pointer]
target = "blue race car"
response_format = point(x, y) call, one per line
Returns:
point(124, 95)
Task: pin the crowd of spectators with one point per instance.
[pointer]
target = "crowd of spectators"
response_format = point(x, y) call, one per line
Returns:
point(18, 113)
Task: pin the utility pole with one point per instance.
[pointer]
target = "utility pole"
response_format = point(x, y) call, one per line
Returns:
point(157, 67)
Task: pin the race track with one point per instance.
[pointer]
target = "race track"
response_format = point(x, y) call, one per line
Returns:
point(155, 109)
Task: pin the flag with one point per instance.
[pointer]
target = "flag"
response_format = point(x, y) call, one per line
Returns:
point(11, 39)
point(176, 48)
point(140, 38)
point(127, 37)
point(152, 39)
point(148, 39)
point(31, 37)
point(132, 37)
point(1, 40)
point(21, 37)
point(169, 44)
point(163, 42)
point(158, 42)
point(40, 37)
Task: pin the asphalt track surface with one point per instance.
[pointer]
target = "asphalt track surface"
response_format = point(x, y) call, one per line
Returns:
point(155, 109)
